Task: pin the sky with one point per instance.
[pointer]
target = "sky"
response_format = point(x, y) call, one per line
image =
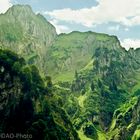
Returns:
point(114, 17)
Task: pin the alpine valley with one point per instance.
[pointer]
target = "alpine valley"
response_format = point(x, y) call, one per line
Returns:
point(76, 86)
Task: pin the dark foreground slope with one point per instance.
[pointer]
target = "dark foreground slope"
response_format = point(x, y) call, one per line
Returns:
point(27, 105)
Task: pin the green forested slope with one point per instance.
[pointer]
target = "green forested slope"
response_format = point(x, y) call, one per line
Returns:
point(27, 105)
point(72, 52)
point(103, 87)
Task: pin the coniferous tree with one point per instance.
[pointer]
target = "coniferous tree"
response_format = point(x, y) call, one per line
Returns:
point(92, 86)
point(99, 83)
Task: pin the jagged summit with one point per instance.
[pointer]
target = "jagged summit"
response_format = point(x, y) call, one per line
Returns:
point(25, 15)
point(23, 18)
point(17, 9)
point(22, 31)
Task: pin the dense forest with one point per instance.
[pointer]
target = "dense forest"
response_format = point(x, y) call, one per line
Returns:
point(81, 85)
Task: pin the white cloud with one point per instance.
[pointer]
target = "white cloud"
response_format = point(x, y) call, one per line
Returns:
point(126, 12)
point(60, 28)
point(4, 5)
point(130, 43)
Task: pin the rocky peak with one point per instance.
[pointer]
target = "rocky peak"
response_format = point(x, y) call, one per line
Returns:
point(20, 10)
point(27, 33)
point(30, 22)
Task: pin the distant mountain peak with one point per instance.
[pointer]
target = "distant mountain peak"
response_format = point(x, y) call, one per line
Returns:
point(25, 17)
point(16, 10)
point(21, 7)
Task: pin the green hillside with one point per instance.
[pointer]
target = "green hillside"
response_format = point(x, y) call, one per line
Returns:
point(72, 52)
point(99, 90)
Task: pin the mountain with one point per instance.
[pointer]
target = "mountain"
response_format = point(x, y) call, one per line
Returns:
point(86, 83)
point(103, 87)
point(72, 52)
point(26, 33)
point(33, 37)
point(98, 104)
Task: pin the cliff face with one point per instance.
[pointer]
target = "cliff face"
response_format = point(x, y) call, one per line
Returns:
point(126, 120)
point(26, 33)
point(35, 25)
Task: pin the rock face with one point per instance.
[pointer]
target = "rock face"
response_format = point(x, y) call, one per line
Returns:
point(26, 33)
point(126, 120)
point(35, 25)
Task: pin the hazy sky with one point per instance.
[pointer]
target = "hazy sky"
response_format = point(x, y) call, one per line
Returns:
point(115, 17)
